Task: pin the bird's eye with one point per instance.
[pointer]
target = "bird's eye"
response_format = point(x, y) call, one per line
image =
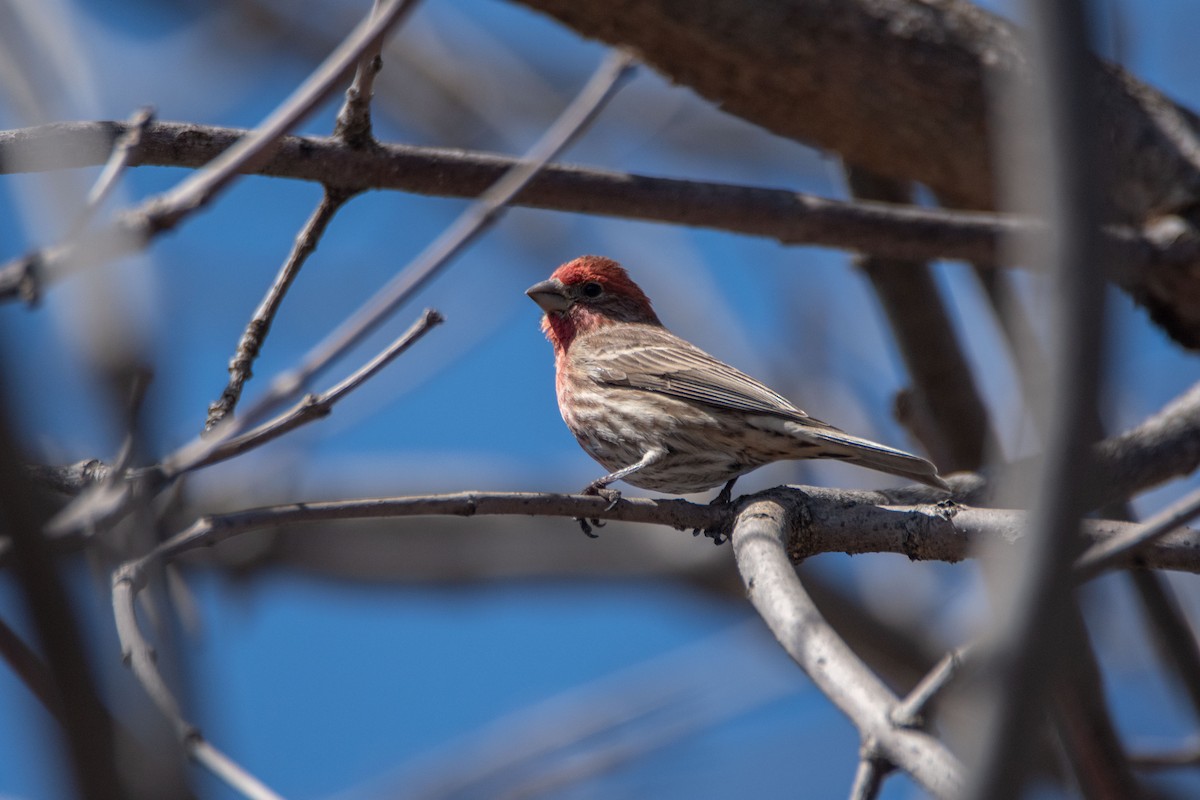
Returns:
point(592, 289)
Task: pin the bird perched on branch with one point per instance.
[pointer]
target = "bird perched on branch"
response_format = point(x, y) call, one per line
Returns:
point(659, 412)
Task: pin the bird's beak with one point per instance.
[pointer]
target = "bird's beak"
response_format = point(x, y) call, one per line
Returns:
point(551, 295)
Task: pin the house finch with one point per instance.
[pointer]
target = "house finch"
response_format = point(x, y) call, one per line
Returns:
point(659, 412)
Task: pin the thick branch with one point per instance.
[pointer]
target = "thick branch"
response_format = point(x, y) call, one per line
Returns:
point(761, 539)
point(899, 87)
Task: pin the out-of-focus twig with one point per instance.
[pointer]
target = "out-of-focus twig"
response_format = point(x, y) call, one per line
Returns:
point(133, 228)
point(1026, 641)
point(86, 727)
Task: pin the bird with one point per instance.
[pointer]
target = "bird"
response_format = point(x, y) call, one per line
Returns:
point(658, 412)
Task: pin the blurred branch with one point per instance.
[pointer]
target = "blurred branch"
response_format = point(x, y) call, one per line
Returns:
point(1173, 635)
point(763, 542)
point(132, 229)
point(1187, 756)
point(124, 153)
point(138, 654)
point(87, 730)
point(909, 712)
point(1164, 446)
point(1063, 171)
point(943, 386)
point(103, 503)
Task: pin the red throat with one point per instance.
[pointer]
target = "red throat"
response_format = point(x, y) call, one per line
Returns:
point(561, 329)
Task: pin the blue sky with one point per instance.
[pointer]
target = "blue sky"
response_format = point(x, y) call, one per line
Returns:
point(320, 686)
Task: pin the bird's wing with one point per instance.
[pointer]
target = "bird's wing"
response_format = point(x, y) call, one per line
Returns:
point(653, 359)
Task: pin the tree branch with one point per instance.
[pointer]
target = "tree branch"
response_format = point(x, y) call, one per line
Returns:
point(761, 544)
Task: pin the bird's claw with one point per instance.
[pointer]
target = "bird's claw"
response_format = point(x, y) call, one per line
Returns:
point(718, 535)
point(586, 526)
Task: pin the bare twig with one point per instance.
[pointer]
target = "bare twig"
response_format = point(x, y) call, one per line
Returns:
point(240, 366)
point(353, 124)
point(474, 221)
point(314, 406)
point(1103, 554)
point(124, 152)
point(760, 543)
point(138, 654)
point(255, 150)
point(868, 778)
point(354, 128)
point(908, 713)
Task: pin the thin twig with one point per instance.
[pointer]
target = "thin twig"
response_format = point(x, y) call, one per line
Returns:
point(95, 508)
point(908, 713)
point(241, 365)
point(353, 124)
point(1102, 555)
point(475, 220)
point(255, 150)
point(318, 405)
point(124, 152)
point(138, 654)
point(868, 778)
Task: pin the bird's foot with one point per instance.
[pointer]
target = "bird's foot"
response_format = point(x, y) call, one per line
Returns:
point(599, 490)
point(718, 533)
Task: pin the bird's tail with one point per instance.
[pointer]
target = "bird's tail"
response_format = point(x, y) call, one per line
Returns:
point(856, 450)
